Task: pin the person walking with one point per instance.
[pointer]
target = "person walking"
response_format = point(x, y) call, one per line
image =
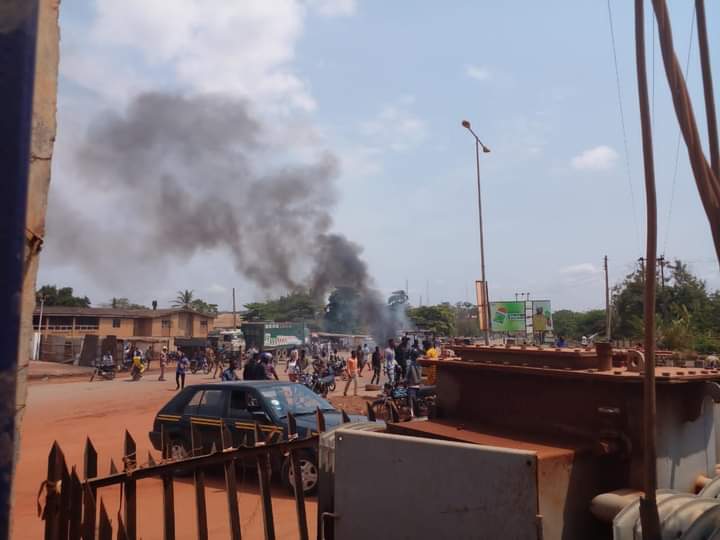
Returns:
point(163, 363)
point(351, 369)
point(269, 367)
point(376, 366)
point(362, 359)
point(180, 368)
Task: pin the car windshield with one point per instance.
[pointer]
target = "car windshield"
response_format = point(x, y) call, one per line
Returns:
point(295, 398)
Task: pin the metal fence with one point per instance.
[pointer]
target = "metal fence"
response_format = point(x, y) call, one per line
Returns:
point(71, 506)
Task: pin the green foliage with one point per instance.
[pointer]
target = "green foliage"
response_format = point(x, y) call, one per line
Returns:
point(439, 319)
point(124, 303)
point(60, 297)
point(203, 307)
point(184, 299)
point(343, 313)
point(297, 306)
point(575, 324)
point(466, 319)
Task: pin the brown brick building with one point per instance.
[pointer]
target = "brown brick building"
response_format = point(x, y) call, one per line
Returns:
point(123, 323)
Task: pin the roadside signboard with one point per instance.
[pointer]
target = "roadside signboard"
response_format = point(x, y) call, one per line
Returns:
point(542, 316)
point(507, 316)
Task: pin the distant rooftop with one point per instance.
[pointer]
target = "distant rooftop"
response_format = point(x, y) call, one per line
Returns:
point(121, 313)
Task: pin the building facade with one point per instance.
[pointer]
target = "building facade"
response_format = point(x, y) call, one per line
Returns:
point(124, 324)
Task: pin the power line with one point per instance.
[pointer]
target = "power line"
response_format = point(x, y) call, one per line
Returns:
point(622, 123)
point(677, 146)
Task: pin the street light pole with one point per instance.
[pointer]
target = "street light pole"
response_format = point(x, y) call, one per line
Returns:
point(478, 145)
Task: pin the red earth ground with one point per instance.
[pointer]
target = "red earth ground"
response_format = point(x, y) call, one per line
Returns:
point(69, 410)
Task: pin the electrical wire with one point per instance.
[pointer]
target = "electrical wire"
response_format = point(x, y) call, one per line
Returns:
point(677, 146)
point(622, 124)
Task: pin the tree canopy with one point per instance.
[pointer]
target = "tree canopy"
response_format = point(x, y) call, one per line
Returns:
point(343, 313)
point(298, 306)
point(439, 319)
point(124, 303)
point(186, 299)
point(52, 296)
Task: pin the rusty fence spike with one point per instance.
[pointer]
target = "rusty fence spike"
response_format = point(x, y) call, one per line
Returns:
point(113, 467)
point(370, 412)
point(51, 514)
point(151, 461)
point(201, 505)
point(345, 417)
point(88, 523)
point(105, 527)
point(75, 505)
point(89, 460)
point(65, 492)
point(121, 532)
point(320, 420)
point(129, 452)
point(168, 508)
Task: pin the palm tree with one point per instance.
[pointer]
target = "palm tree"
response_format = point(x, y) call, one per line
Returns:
point(183, 299)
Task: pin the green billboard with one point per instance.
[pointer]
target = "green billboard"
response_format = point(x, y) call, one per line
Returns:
point(507, 316)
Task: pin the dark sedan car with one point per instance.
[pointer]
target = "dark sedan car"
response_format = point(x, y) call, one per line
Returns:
point(241, 406)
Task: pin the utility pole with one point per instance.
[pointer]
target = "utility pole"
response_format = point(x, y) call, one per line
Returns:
point(427, 292)
point(608, 320)
point(661, 262)
point(234, 316)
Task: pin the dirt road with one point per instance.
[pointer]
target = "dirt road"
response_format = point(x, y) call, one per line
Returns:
point(68, 411)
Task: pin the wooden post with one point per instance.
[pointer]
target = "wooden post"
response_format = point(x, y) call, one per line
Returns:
point(297, 480)
point(130, 488)
point(105, 528)
point(168, 508)
point(263, 468)
point(88, 526)
point(75, 505)
point(231, 485)
point(200, 505)
point(51, 515)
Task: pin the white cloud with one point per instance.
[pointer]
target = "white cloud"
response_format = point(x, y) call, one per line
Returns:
point(396, 127)
point(333, 8)
point(478, 73)
point(241, 48)
point(581, 268)
point(599, 158)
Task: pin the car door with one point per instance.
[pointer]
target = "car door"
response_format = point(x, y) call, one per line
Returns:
point(203, 414)
point(245, 411)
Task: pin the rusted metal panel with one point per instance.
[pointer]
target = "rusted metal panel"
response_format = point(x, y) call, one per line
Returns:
point(486, 492)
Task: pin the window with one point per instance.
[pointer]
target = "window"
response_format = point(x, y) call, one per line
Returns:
point(116, 323)
point(203, 323)
point(239, 405)
point(165, 323)
point(194, 404)
point(206, 403)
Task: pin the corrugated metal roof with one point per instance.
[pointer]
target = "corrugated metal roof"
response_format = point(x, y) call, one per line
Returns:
point(115, 312)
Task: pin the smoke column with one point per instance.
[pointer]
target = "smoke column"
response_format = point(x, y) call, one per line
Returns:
point(188, 174)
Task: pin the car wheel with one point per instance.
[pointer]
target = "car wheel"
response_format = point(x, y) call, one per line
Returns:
point(308, 470)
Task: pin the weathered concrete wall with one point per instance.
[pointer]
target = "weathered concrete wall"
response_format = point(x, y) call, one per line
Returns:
point(43, 140)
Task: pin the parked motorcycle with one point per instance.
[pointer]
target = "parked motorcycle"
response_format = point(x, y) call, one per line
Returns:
point(106, 372)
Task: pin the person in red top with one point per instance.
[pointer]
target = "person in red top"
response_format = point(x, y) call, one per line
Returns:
point(351, 369)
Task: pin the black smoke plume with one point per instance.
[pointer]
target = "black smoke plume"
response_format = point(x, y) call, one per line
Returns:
point(189, 174)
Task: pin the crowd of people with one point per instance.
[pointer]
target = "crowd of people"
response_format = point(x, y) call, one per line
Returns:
point(397, 361)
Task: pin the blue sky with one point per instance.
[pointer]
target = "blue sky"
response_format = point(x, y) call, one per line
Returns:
point(384, 86)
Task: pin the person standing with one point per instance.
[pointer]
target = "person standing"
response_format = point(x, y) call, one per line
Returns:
point(401, 355)
point(149, 352)
point(180, 369)
point(163, 363)
point(390, 362)
point(412, 380)
point(376, 366)
point(269, 367)
point(352, 373)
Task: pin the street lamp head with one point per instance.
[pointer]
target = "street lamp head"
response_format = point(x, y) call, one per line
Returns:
point(485, 149)
point(466, 124)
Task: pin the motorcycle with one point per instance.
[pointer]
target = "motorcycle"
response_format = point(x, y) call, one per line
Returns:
point(107, 372)
point(196, 365)
point(136, 373)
